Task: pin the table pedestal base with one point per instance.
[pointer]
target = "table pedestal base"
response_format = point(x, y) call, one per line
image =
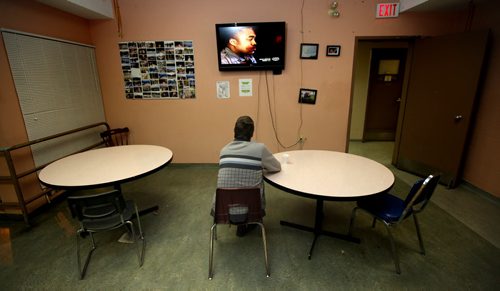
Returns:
point(318, 228)
point(154, 209)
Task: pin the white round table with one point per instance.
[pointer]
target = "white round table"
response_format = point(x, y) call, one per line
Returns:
point(105, 166)
point(109, 166)
point(328, 175)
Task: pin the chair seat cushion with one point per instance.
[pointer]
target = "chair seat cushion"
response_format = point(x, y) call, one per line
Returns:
point(384, 206)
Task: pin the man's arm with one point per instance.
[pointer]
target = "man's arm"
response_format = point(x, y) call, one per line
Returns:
point(269, 162)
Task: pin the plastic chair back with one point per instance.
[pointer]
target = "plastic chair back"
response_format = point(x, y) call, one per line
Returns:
point(99, 211)
point(236, 206)
point(420, 194)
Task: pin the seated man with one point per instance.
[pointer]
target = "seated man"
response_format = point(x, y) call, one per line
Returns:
point(242, 162)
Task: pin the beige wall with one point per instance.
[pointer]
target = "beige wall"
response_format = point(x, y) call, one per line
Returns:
point(196, 129)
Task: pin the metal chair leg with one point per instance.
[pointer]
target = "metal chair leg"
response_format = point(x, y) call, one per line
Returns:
point(264, 240)
point(211, 252)
point(141, 237)
point(394, 249)
point(83, 271)
point(140, 253)
point(420, 241)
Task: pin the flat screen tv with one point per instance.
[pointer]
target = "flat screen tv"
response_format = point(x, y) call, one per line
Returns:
point(251, 46)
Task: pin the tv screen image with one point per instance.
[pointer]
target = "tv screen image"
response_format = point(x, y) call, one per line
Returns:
point(251, 46)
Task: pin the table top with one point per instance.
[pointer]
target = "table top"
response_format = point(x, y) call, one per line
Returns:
point(105, 166)
point(330, 175)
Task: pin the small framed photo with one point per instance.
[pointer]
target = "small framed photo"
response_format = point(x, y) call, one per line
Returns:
point(309, 51)
point(333, 50)
point(307, 96)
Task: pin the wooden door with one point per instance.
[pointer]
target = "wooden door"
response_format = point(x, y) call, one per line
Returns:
point(384, 93)
point(439, 105)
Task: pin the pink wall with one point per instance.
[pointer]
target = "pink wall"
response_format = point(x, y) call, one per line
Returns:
point(196, 129)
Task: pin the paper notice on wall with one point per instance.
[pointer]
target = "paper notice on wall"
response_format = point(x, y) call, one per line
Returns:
point(245, 87)
point(222, 88)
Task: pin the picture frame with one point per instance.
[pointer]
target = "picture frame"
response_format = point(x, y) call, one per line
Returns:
point(333, 50)
point(308, 96)
point(309, 51)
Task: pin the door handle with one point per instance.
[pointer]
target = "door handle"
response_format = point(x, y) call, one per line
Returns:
point(459, 117)
point(398, 100)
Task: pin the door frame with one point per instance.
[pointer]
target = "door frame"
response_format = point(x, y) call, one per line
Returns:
point(389, 42)
point(371, 85)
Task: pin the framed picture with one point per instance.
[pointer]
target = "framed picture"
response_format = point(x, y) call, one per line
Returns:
point(333, 50)
point(307, 96)
point(309, 51)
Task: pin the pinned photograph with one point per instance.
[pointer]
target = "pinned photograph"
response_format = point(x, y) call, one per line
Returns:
point(333, 50)
point(307, 96)
point(309, 51)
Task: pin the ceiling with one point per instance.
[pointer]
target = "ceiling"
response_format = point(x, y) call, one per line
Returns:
point(88, 9)
point(103, 9)
point(439, 5)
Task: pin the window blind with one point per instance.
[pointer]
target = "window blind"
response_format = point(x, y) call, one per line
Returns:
point(58, 89)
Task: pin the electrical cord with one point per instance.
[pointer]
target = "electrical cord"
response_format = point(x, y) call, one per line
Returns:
point(268, 93)
point(274, 117)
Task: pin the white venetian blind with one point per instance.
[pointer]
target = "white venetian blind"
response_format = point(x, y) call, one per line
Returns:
point(58, 89)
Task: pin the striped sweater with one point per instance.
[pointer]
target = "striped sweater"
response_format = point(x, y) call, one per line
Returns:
point(242, 163)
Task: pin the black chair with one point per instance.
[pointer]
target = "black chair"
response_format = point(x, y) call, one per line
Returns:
point(240, 206)
point(102, 212)
point(392, 210)
point(115, 136)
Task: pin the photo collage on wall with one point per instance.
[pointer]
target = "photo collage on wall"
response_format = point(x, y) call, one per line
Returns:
point(158, 69)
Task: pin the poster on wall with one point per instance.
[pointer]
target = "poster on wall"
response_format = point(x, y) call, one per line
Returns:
point(158, 69)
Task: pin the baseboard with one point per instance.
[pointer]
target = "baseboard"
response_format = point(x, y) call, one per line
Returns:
point(474, 189)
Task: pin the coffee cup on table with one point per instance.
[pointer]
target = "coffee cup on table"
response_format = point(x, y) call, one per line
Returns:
point(286, 158)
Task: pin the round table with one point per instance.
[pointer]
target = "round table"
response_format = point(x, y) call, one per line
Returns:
point(328, 175)
point(109, 166)
point(105, 166)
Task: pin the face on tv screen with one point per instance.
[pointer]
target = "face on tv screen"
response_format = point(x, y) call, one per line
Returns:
point(251, 46)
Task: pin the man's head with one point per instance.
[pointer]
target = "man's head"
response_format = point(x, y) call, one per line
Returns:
point(243, 129)
point(242, 42)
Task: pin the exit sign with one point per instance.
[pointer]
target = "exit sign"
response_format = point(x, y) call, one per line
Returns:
point(386, 10)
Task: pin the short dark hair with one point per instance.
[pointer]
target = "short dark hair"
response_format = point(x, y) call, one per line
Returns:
point(231, 31)
point(243, 129)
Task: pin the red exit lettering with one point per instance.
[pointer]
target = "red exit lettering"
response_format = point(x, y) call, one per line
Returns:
point(385, 10)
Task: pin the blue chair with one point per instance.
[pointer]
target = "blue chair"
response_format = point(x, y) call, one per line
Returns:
point(392, 210)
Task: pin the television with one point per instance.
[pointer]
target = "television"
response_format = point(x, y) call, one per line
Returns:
point(251, 46)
